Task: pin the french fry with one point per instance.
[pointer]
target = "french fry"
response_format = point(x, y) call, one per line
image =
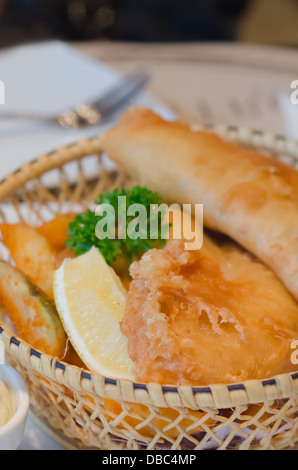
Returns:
point(32, 313)
point(32, 254)
point(56, 230)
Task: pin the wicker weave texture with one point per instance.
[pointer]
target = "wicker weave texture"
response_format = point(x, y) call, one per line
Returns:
point(93, 412)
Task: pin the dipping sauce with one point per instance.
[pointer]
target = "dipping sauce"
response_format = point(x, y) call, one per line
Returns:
point(6, 411)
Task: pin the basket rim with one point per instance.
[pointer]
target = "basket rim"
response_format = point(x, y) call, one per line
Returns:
point(216, 396)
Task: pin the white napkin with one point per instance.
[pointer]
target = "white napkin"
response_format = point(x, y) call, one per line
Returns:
point(289, 112)
point(49, 78)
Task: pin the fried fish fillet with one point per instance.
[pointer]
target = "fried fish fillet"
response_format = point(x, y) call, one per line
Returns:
point(246, 195)
point(207, 316)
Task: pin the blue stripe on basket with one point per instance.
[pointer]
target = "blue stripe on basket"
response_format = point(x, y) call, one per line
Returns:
point(139, 386)
point(197, 390)
point(85, 375)
point(269, 382)
point(35, 353)
point(169, 389)
point(58, 365)
point(166, 389)
point(234, 387)
point(110, 381)
point(15, 341)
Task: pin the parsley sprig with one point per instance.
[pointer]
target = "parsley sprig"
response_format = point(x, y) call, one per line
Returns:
point(82, 230)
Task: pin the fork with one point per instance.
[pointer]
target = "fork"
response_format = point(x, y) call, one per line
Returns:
point(114, 100)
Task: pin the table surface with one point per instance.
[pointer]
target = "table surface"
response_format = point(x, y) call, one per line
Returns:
point(229, 83)
point(221, 83)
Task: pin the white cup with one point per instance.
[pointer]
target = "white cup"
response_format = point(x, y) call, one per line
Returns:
point(11, 434)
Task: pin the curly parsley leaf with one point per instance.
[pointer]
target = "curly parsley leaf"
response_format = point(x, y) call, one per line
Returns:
point(82, 233)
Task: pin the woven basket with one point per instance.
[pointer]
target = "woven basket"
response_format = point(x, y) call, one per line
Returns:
point(89, 411)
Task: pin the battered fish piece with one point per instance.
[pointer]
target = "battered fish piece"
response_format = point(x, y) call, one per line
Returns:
point(246, 195)
point(207, 316)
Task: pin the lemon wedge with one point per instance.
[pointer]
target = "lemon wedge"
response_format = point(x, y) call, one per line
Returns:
point(90, 300)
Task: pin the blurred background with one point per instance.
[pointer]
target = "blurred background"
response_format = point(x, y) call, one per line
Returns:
point(272, 22)
point(209, 61)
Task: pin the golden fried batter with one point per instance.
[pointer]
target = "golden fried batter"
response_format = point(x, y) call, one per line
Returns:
point(248, 196)
point(207, 316)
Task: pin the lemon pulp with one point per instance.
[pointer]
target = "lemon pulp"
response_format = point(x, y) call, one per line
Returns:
point(90, 300)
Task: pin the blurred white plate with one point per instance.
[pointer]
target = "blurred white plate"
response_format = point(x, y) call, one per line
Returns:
point(49, 78)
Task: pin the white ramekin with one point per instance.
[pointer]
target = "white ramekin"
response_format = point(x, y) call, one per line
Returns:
point(11, 434)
